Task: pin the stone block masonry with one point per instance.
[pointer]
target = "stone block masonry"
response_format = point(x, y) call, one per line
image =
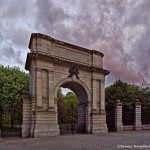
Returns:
point(53, 64)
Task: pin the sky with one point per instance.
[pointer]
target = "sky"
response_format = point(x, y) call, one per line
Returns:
point(118, 28)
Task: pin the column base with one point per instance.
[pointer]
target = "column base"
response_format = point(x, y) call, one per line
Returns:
point(99, 124)
point(44, 130)
point(45, 124)
point(119, 127)
point(25, 130)
point(138, 127)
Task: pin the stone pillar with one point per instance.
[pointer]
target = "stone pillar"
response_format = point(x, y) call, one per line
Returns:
point(88, 118)
point(99, 123)
point(94, 95)
point(102, 101)
point(118, 116)
point(50, 90)
point(99, 117)
point(0, 123)
point(45, 121)
point(26, 116)
point(39, 88)
point(137, 121)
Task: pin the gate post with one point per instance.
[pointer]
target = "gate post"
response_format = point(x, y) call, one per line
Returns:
point(137, 113)
point(0, 119)
point(26, 116)
point(118, 116)
point(0, 133)
point(0, 124)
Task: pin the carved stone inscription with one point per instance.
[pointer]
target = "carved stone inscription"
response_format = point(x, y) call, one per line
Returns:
point(72, 55)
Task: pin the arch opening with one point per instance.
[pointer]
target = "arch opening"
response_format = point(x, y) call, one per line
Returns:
point(82, 99)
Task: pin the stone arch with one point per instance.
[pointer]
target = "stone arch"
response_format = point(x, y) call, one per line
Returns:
point(53, 63)
point(84, 97)
point(66, 80)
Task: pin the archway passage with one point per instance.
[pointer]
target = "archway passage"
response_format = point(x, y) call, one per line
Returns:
point(67, 112)
point(82, 100)
point(53, 64)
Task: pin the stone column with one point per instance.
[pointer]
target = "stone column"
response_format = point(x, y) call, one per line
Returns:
point(26, 116)
point(39, 88)
point(118, 116)
point(45, 120)
point(99, 118)
point(99, 123)
point(137, 121)
point(94, 95)
point(0, 134)
point(50, 90)
point(102, 100)
point(0, 123)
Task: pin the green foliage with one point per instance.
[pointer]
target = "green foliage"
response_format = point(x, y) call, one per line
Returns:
point(121, 90)
point(67, 108)
point(127, 93)
point(72, 107)
point(13, 83)
point(144, 95)
point(62, 109)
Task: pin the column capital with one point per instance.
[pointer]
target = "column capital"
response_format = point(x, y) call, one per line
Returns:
point(137, 102)
point(118, 102)
point(102, 80)
point(50, 71)
point(38, 69)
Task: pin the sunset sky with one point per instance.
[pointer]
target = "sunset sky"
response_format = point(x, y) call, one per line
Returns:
point(118, 28)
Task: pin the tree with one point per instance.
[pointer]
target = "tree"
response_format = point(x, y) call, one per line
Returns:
point(72, 107)
point(62, 109)
point(67, 108)
point(127, 93)
point(13, 83)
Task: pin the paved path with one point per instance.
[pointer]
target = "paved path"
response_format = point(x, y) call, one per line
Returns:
point(137, 140)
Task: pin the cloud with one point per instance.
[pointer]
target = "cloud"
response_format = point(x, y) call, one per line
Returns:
point(119, 29)
point(14, 31)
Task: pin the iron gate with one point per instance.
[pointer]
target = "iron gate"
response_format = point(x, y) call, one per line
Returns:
point(68, 128)
point(128, 115)
point(11, 121)
point(145, 116)
point(110, 120)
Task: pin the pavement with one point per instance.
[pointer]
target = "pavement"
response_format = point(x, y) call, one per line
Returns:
point(125, 140)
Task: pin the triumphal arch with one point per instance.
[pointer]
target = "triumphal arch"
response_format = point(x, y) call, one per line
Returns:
point(53, 64)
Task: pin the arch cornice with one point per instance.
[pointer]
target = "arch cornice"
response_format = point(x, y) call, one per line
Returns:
point(41, 56)
point(63, 81)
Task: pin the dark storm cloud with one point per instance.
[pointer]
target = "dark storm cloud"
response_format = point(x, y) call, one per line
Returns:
point(9, 53)
point(14, 30)
point(138, 22)
point(120, 29)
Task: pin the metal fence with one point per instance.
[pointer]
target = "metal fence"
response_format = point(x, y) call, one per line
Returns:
point(145, 116)
point(128, 117)
point(68, 128)
point(110, 120)
point(10, 122)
